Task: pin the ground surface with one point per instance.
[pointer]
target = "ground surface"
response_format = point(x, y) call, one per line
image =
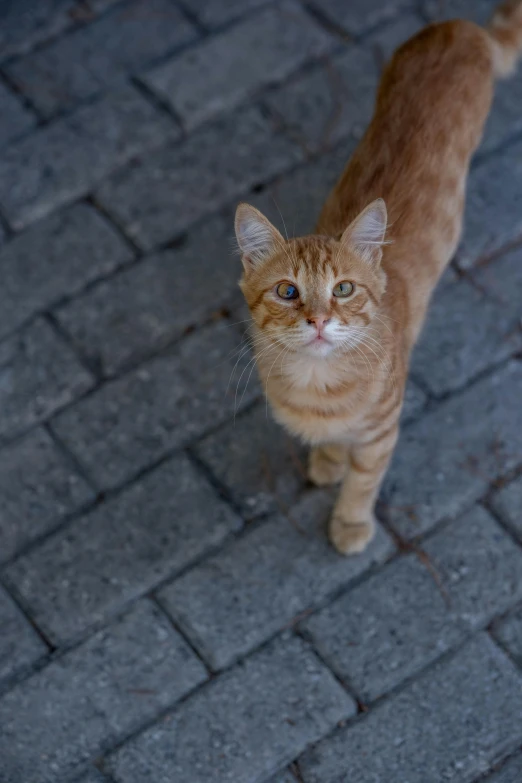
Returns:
point(170, 610)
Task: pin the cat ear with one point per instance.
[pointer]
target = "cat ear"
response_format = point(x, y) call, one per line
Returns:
point(365, 235)
point(257, 238)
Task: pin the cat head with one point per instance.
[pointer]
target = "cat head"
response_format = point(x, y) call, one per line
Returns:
point(314, 295)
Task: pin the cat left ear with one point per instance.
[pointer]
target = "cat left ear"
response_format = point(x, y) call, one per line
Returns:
point(257, 238)
point(365, 235)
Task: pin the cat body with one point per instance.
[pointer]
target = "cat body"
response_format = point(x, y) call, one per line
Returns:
point(336, 314)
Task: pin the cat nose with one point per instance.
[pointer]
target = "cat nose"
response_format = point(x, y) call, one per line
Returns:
point(319, 321)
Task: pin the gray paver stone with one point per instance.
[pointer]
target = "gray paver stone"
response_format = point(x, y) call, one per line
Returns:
point(142, 308)
point(414, 401)
point(286, 777)
point(54, 258)
point(502, 281)
point(293, 202)
point(217, 734)
point(358, 16)
point(16, 119)
point(91, 697)
point(331, 102)
point(387, 629)
point(89, 570)
point(387, 41)
point(509, 633)
point(479, 567)
point(493, 206)
point(38, 375)
point(25, 23)
point(38, 487)
point(134, 421)
point(465, 333)
point(511, 772)
point(257, 461)
point(158, 198)
point(471, 705)
point(248, 591)
point(100, 55)
point(20, 645)
point(93, 776)
point(214, 13)
point(508, 504)
point(64, 160)
point(216, 75)
point(446, 459)
point(478, 11)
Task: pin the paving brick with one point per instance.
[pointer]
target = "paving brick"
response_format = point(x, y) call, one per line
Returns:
point(444, 461)
point(479, 567)
point(504, 120)
point(472, 705)
point(331, 102)
point(25, 23)
point(100, 55)
point(509, 633)
point(17, 120)
point(136, 668)
point(216, 75)
point(38, 375)
point(237, 599)
point(359, 16)
point(465, 333)
point(493, 206)
point(508, 504)
point(20, 645)
point(134, 421)
point(258, 462)
point(286, 777)
point(73, 248)
point(90, 697)
point(478, 11)
point(93, 776)
point(387, 629)
point(159, 197)
point(89, 570)
point(217, 735)
point(511, 772)
point(38, 487)
point(385, 42)
point(214, 13)
point(414, 401)
point(67, 158)
point(293, 202)
point(502, 281)
point(124, 319)
point(408, 615)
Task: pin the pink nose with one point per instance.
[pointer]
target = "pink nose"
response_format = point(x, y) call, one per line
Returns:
point(318, 321)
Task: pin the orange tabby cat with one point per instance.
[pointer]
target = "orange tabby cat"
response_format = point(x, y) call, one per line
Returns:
point(336, 314)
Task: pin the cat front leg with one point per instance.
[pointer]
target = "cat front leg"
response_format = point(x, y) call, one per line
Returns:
point(352, 525)
point(327, 464)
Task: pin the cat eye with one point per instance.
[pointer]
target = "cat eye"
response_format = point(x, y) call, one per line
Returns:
point(344, 289)
point(287, 291)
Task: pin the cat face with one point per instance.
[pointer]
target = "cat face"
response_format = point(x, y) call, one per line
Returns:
point(313, 295)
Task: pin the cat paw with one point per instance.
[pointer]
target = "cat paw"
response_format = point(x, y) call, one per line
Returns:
point(323, 471)
point(350, 538)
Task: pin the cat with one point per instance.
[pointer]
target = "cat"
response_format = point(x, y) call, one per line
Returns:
point(336, 314)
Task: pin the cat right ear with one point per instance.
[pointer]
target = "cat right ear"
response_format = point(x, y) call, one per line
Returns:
point(257, 238)
point(366, 234)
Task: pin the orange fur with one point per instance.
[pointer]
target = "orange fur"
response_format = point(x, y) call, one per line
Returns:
point(334, 369)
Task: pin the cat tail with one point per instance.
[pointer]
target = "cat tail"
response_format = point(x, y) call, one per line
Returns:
point(505, 30)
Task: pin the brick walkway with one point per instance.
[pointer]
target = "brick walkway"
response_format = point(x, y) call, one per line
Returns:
point(170, 610)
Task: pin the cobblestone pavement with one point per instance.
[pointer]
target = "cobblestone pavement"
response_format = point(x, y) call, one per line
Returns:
point(170, 610)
